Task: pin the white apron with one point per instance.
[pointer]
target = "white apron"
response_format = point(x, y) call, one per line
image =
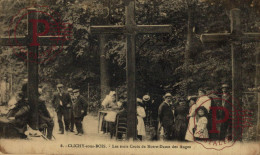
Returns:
point(140, 125)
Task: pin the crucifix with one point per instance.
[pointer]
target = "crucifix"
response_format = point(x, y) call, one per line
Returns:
point(32, 40)
point(236, 37)
point(130, 29)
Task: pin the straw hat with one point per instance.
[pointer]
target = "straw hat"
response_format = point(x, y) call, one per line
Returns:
point(70, 90)
point(146, 98)
point(75, 90)
point(225, 86)
point(167, 95)
point(59, 85)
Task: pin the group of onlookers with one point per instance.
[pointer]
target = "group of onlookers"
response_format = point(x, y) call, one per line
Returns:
point(177, 118)
point(195, 121)
point(71, 107)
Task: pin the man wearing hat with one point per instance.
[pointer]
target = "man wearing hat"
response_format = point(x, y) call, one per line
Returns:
point(166, 117)
point(62, 104)
point(72, 99)
point(225, 129)
point(79, 110)
point(147, 106)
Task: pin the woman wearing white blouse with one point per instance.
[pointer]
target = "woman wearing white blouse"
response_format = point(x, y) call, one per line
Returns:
point(140, 115)
point(202, 101)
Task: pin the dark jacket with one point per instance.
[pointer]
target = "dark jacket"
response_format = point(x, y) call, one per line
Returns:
point(80, 104)
point(64, 98)
point(165, 114)
point(44, 115)
point(21, 113)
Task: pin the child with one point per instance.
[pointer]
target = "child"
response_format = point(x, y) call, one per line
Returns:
point(140, 115)
point(201, 121)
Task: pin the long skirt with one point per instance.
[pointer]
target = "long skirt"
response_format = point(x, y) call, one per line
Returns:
point(140, 126)
point(189, 133)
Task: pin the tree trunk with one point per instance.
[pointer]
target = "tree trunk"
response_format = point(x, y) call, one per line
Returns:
point(257, 84)
point(189, 43)
point(104, 77)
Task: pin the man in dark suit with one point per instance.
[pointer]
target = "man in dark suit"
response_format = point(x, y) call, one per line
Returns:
point(62, 104)
point(225, 128)
point(80, 106)
point(166, 117)
point(72, 99)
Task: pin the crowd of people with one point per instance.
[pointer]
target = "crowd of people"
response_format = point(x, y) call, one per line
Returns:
point(175, 118)
point(194, 120)
point(70, 106)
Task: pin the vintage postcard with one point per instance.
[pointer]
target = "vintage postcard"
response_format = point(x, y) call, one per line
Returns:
point(130, 77)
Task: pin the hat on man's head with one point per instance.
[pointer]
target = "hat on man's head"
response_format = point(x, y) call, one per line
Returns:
point(167, 95)
point(59, 85)
point(70, 90)
point(225, 86)
point(146, 98)
point(25, 80)
point(75, 90)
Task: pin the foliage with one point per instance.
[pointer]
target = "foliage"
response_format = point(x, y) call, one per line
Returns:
point(160, 58)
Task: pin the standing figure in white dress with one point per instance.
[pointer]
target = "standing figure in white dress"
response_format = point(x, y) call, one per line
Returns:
point(140, 118)
point(201, 131)
point(203, 100)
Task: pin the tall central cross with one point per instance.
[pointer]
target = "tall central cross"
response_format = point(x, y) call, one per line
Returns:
point(130, 29)
point(32, 62)
point(236, 37)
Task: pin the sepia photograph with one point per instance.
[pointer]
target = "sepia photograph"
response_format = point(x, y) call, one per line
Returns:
point(130, 77)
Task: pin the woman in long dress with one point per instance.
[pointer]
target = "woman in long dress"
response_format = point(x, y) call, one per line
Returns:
point(140, 118)
point(204, 101)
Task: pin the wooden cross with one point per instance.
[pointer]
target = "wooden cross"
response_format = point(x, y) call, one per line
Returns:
point(236, 37)
point(32, 65)
point(130, 29)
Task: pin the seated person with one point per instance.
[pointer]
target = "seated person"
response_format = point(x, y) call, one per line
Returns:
point(45, 120)
point(109, 103)
point(18, 116)
point(14, 124)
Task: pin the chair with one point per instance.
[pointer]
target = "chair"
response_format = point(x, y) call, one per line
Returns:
point(43, 129)
point(121, 125)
